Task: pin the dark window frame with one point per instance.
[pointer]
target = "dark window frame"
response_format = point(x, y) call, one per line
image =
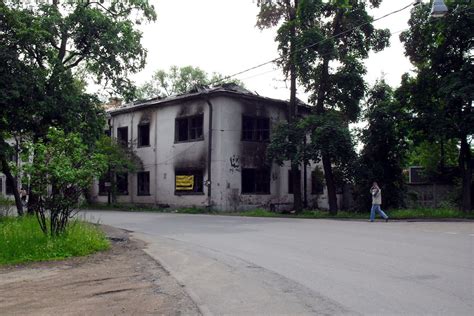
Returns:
point(140, 142)
point(255, 129)
point(145, 192)
point(198, 181)
point(103, 190)
point(290, 181)
point(117, 183)
point(120, 139)
point(255, 184)
point(9, 187)
point(317, 188)
point(194, 128)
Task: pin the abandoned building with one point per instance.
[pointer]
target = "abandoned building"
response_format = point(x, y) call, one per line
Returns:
point(206, 148)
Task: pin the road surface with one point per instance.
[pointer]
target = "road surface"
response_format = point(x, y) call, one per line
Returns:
point(250, 266)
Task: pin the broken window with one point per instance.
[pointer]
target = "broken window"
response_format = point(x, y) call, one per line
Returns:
point(122, 136)
point(189, 128)
point(255, 128)
point(9, 187)
point(189, 181)
point(144, 135)
point(255, 181)
point(143, 183)
point(290, 181)
point(122, 183)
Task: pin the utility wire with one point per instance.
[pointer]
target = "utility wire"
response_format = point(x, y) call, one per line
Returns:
point(313, 44)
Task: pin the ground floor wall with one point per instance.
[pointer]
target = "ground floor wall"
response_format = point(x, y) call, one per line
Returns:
point(226, 185)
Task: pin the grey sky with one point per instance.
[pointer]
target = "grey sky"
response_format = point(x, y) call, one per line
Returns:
point(220, 36)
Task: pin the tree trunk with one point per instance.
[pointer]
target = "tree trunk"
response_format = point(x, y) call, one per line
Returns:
point(321, 99)
point(292, 114)
point(6, 170)
point(330, 184)
point(465, 162)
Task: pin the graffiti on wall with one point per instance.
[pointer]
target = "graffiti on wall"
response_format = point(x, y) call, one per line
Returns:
point(234, 164)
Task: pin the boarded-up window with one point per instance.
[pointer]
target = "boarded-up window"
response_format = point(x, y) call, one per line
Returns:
point(144, 135)
point(255, 181)
point(255, 128)
point(143, 183)
point(188, 181)
point(189, 128)
point(122, 183)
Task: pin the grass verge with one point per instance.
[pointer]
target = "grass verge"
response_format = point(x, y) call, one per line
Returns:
point(419, 213)
point(422, 213)
point(21, 240)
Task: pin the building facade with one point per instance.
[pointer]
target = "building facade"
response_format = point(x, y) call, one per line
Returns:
point(206, 149)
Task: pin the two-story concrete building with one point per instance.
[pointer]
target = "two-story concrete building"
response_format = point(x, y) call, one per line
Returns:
point(206, 148)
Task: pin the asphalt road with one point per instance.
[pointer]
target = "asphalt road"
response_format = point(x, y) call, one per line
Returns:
point(255, 266)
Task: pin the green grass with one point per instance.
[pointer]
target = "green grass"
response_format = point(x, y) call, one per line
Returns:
point(422, 213)
point(21, 240)
point(419, 213)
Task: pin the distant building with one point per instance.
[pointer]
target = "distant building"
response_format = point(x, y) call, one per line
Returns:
point(206, 148)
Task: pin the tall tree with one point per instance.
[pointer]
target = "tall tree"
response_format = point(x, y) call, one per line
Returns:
point(440, 95)
point(43, 47)
point(178, 80)
point(334, 38)
point(383, 155)
point(270, 15)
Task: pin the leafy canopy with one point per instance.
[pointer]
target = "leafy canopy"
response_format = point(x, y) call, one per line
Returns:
point(179, 80)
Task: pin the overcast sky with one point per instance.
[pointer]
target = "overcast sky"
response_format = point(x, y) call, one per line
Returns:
point(220, 36)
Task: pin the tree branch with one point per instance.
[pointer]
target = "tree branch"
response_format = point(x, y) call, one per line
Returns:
point(74, 64)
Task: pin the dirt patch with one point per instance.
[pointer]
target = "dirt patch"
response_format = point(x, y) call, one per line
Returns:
point(122, 280)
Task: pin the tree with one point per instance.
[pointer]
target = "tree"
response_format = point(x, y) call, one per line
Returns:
point(43, 49)
point(333, 39)
point(178, 81)
point(270, 15)
point(440, 94)
point(438, 157)
point(383, 155)
point(63, 167)
point(119, 159)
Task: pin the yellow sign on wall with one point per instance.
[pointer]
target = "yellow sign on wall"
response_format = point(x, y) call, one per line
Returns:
point(184, 183)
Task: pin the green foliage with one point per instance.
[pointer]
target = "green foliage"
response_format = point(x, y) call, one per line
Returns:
point(118, 158)
point(47, 53)
point(439, 96)
point(330, 136)
point(63, 166)
point(21, 241)
point(383, 155)
point(322, 42)
point(178, 81)
point(286, 143)
point(437, 157)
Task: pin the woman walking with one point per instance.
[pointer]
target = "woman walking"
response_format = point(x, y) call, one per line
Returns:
point(376, 202)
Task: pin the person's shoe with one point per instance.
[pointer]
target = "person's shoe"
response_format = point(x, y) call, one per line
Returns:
point(386, 220)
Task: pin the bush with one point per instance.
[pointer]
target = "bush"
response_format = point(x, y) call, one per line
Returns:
point(21, 240)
